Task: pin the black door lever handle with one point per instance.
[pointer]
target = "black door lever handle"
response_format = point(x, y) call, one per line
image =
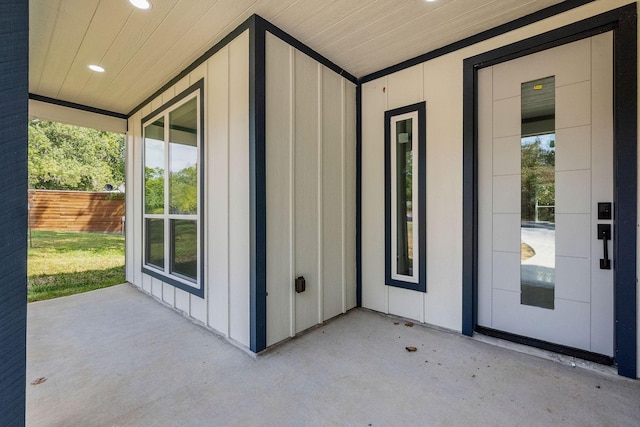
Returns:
point(604, 234)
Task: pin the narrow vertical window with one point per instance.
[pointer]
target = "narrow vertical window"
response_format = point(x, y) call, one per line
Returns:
point(173, 151)
point(537, 202)
point(405, 199)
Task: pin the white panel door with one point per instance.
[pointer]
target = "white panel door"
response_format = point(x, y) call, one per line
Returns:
point(545, 162)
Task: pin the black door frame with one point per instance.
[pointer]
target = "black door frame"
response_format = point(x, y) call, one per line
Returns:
point(623, 22)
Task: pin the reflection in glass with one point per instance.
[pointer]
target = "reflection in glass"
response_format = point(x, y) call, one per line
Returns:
point(154, 251)
point(537, 232)
point(183, 159)
point(184, 251)
point(154, 167)
point(404, 196)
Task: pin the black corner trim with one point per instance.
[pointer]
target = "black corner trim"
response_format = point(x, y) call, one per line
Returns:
point(257, 184)
point(623, 21)
point(75, 106)
point(545, 345)
point(421, 108)
point(485, 35)
point(359, 195)
point(469, 199)
point(287, 38)
point(625, 189)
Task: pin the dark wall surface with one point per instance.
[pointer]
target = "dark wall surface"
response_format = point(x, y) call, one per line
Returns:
point(14, 72)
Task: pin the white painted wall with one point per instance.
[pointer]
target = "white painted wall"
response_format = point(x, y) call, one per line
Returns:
point(225, 307)
point(439, 82)
point(310, 191)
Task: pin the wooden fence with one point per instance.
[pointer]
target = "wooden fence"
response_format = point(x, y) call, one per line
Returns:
point(76, 211)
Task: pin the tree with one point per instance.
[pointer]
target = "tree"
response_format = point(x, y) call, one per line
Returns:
point(538, 180)
point(65, 157)
point(184, 191)
point(154, 190)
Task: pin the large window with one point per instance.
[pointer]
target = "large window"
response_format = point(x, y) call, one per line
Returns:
point(405, 206)
point(172, 217)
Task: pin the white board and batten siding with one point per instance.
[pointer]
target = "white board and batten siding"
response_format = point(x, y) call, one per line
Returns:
point(311, 193)
point(225, 307)
point(439, 82)
point(440, 305)
point(310, 158)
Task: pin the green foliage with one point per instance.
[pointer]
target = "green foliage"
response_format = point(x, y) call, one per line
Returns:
point(538, 181)
point(408, 172)
point(184, 191)
point(154, 190)
point(65, 157)
point(185, 247)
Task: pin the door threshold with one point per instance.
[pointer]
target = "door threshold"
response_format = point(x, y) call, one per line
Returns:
point(489, 336)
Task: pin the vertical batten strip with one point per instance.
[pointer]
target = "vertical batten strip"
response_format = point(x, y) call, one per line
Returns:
point(343, 222)
point(386, 107)
point(227, 144)
point(320, 206)
point(292, 189)
point(423, 89)
point(359, 195)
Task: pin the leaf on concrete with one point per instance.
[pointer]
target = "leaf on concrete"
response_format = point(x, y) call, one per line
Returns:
point(411, 349)
point(409, 324)
point(38, 381)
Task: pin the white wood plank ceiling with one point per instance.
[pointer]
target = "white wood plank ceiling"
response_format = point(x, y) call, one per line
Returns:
point(141, 50)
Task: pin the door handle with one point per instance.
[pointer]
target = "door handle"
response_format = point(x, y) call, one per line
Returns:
point(604, 234)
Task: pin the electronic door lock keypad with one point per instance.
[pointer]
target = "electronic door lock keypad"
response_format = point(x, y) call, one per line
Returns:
point(605, 210)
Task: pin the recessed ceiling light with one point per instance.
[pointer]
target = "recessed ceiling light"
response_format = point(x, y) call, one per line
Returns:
point(141, 4)
point(96, 68)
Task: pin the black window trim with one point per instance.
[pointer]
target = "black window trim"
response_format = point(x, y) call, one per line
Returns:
point(421, 109)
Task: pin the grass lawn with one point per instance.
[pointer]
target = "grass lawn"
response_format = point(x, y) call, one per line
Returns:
point(67, 263)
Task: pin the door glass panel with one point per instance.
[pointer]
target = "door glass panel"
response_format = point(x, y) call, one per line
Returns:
point(538, 229)
point(404, 195)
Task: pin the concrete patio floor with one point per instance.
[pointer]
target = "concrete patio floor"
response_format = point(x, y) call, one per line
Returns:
point(116, 357)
